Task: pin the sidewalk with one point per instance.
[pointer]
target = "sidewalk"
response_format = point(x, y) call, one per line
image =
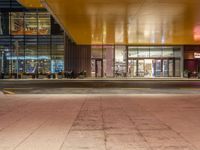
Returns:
point(66, 122)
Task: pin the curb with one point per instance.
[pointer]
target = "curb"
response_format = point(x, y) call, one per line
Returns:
point(6, 92)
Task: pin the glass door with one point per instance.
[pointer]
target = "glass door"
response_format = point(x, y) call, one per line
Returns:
point(158, 68)
point(165, 68)
point(93, 66)
point(141, 72)
point(99, 68)
point(177, 67)
point(171, 67)
point(132, 68)
point(148, 67)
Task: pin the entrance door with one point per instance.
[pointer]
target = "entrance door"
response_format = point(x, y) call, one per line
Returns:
point(165, 68)
point(171, 67)
point(132, 68)
point(158, 68)
point(148, 68)
point(141, 65)
point(98, 68)
point(177, 68)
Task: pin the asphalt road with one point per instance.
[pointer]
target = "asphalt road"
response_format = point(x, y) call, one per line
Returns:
point(101, 86)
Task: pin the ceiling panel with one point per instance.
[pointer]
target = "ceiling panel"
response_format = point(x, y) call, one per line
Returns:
point(31, 3)
point(141, 22)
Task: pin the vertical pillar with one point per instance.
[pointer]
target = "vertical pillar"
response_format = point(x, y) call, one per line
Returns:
point(77, 57)
point(182, 62)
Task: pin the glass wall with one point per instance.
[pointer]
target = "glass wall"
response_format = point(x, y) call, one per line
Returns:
point(30, 23)
point(1, 30)
point(29, 47)
point(154, 61)
point(57, 54)
point(141, 61)
point(120, 61)
point(96, 60)
point(102, 61)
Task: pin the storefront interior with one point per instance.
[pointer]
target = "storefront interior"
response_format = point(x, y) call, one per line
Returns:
point(32, 44)
point(136, 61)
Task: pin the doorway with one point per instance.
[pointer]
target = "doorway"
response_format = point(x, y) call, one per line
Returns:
point(157, 67)
point(97, 68)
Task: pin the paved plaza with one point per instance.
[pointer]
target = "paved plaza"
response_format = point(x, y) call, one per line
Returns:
point(100, 122)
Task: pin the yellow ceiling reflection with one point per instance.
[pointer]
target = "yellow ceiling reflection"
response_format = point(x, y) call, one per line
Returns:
point(141, 22)
point(31, 3)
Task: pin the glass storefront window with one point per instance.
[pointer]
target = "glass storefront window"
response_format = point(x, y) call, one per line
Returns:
point(165, 68)
point(1, 31)
point(177, 53)
point(39, 51)
point(120, 61)
point(17, 55)
point(57, 58)
point(44, 24)
point(177, 67)
point(97, 52)
point(155, 52)
point(132, 68)
point(93, 66)
point(141, 72)
point(132, 52)
point(143, 52)
point(154, 61)
point(44, 62)
point(17, 23)
point(57, 64)
point(30, 23)
point(168, 52)
point(158, 68)
point(31, 59)
point(171, 68)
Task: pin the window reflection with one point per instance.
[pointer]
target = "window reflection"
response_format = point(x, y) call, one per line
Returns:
point(17, 23)
point(132, 52)
point(168, 52)
point(120, 61)
point(31, 58)
point(155, 52)
point(30, 23)
point(143, 52)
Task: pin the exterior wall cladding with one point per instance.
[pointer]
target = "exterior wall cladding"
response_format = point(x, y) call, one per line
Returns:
point(77, 57)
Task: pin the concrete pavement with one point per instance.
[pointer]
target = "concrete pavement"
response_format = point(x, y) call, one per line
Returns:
point(99, 122)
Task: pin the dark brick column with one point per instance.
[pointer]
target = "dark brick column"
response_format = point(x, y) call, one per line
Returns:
point(77, 57)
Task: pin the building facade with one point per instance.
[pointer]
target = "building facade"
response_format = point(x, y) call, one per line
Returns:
point(136, 61)
point(33, 43)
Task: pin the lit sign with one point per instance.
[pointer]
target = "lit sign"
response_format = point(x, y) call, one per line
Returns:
point(27, 57)
point(196, 55)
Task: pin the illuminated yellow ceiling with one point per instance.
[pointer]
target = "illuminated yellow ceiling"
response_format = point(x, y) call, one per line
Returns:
point(31, 3)
point(138, 22)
